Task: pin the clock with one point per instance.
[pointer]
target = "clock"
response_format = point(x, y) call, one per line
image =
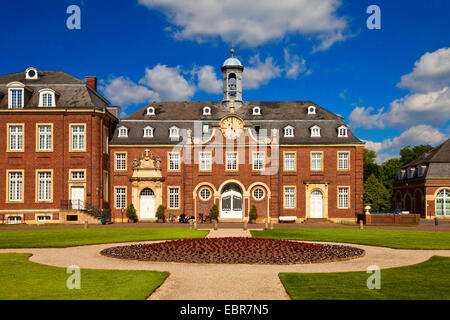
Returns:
point(231, 127)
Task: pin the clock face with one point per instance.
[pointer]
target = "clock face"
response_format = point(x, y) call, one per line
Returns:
point(231, 127)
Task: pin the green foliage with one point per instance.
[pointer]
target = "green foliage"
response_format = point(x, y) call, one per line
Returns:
point(214, 213)
point(131, 213)
point(370, 166)
point(376, 194)
point(253, 213)
point(160, 212)
point(409, 153)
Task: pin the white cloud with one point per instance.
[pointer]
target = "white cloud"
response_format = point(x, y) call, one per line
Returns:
point(421, 134)
point(363, 117)
point(259, 73)
point(168, 83)
point(430, 73)
point(122, 91)
point(207, 80)
point(293, 65)
point(383, 157)
point(253, 22)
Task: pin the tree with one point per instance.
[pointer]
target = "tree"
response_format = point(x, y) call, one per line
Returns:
point(131, 213)
point(388, 173)
point(370, 166)
point(409, 153)
point(376, 193)
point(214, 212)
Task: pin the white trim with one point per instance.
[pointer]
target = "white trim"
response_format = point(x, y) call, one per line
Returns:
point(119, 132)
point(151, 132)
point(49, 91)
point(312, 110)
point(206, 111)
point(287, 128)
point(313, 134)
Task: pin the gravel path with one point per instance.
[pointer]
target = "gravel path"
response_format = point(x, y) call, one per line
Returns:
point(227, 282)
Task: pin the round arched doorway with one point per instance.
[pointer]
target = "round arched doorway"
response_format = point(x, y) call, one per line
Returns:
point(316, 204)
point(443, 203)
point(147, 204)
point(231, 201)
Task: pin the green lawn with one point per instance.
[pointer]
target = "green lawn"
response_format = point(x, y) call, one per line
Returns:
point(59, 238)
point(398, 239)
point(423, 281)
point(25, 280)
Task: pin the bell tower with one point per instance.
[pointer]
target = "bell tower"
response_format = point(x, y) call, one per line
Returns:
point(232, 81)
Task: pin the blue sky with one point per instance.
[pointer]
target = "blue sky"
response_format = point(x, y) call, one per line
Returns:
point(391, 85)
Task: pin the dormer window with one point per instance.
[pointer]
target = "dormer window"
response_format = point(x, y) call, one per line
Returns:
point(206, 111)
point(342, 131)
point(148, 132)
point(315, 131)
point(311, 110)
point(47, 98)
point(123, 132)
point(174, 132)
point(31, 73)
point(256, 111)
point(411, 172)
point(401, 174)
point(150, 111)
point(15, 98)
point(420, 170)
point(288, 131)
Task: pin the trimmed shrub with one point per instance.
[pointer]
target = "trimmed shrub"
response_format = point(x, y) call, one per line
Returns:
point(131, 213)
point(214, 213)
point(253, 213)
point(160, 212)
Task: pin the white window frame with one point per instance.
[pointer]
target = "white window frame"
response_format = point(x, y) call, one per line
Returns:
point(150, 111)
point(311, 110)
point(174, 161)
point(148, 132)
point(120, 163)
point(174, 132)
point(256, 111)
point(258, 193)
point(203, 196)
point(16, 138)
point(174, 197)
point(205, 163)
point(15, 186)
point(232, 161)
point(258, 161)
point(206, 111)
point(289, 132)
point(289, 197)
point(45, 138)
point(315, 131)
point(120, 197)
point(44, 181)
point(343, 197)
point(78, 138)
point(77, 175)
point(289, 162)
point(13, 103)
point(342, 131)
point(43, 101)
point(315, 161)
point(343, 162)
point(122, 132)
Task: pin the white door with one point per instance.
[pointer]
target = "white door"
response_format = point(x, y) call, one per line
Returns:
point(147, 204)
point(231, 205)
point(77, 197)
point(316, 210)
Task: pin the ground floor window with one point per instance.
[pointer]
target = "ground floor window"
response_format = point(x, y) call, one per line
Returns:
point(44, 218)
point(343, 198)
point(15, 220)
point(443, 203)
point(174, 198)
point(289, 197)
point(120, 198)
point(44, 186)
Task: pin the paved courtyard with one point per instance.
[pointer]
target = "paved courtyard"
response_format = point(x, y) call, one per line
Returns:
point(223, 281)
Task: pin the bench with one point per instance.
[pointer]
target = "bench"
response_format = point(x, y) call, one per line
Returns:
point(287, 219)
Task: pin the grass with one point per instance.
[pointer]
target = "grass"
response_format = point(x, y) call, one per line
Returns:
point(398, 239)
point(60, 238)
point(423, 281)
point(25, 280)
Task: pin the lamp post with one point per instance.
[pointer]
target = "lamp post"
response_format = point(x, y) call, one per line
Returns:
point(122, 214)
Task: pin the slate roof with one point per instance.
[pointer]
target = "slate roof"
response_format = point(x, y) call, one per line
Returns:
point(274, 115)
point(70, 92)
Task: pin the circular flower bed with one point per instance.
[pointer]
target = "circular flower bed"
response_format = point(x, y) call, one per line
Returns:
point(235, 250)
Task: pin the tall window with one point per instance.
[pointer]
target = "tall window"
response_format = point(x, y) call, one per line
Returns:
point(232, 161)
point(289, 161)
point(120, 198)
point(16, 138)
point(258, 161)
point(105, 140)
point(289, 197)
point(44, 186)
point(15, 186)
point(174, 161)
point(443, 203)
point(105, 186)
point(16, 99)
point(343, 198)
point(78, 138)
point(45, 138)
point(316, 161)
point(121, 161)
point(343, 160)
point(174, 198)
point(205, 161)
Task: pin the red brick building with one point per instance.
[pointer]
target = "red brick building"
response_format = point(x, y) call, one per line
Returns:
point(292, 160)
point(423, 185)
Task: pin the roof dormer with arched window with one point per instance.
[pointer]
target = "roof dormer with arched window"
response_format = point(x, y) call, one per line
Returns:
point(315, 131)
point(47, 98)
point(206, 111)
point(256, 111)
point(342, 131)
point(122, 132)
point(148, 132)
point(150, 111)
point(312, 110)
point(288, 131)
point(174, 132)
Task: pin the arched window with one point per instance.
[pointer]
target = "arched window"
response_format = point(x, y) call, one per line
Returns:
point(315, 131)
point(443, 203)
point(47, 98)
point(342, 131)
point(174, 132)
point(123, 132)
point(289, 131)
point(232, 83)
point(148, 132)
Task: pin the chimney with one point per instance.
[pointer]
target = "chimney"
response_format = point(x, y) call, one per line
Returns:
point(92, 82)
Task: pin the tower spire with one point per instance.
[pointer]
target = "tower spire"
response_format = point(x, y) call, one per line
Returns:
point(232, 50)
